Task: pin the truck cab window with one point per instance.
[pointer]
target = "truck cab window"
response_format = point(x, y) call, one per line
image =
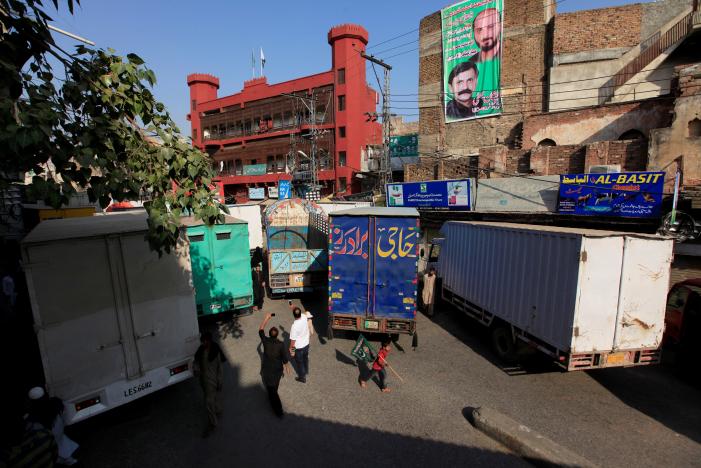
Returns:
point(196, 237)
point(223, 235)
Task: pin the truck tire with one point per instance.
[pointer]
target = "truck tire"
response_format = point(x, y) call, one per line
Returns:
point(503, 343)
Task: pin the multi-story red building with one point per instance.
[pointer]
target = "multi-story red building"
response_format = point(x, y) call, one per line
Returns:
point(262, 134)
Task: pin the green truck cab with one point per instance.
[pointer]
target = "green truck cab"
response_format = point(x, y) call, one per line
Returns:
point(221, 265)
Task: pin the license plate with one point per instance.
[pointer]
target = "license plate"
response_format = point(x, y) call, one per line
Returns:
point(131, 391)
point(372, 325)
point(215, 307)
point(616, 358)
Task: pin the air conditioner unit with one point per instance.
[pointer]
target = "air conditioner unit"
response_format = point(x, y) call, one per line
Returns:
point(605, 169)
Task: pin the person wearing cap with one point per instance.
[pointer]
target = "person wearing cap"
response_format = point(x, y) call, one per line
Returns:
point(300, 332)
point(47, 413)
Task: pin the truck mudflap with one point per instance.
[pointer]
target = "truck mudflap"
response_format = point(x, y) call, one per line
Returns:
point(634, 357)
point(363, 324)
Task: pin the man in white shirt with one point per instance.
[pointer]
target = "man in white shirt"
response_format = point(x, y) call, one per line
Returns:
point(299, 342)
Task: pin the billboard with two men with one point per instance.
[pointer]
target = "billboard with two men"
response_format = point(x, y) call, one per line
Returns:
point(472, 46)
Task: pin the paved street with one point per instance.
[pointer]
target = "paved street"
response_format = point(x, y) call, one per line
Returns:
point(617, 417)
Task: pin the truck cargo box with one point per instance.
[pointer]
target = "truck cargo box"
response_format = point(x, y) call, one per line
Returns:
point(575, 292)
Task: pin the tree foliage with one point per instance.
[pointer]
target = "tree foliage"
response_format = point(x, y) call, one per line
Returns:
point(95, 125)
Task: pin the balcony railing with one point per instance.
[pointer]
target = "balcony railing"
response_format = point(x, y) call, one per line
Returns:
point(257, 130)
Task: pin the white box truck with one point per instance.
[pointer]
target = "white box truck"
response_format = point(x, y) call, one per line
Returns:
point(114, 321)
point(588, 298)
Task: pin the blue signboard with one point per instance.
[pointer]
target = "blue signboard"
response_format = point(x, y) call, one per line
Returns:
point(630, 195)
point(436, 194)
point(284, 189)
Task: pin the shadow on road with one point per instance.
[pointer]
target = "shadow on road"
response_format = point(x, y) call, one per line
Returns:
point(164, 429)
point(657, 393)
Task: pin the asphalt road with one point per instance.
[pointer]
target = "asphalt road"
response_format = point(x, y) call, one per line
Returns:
point(616, 417)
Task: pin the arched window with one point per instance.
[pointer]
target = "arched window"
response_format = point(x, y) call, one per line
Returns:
point(695, 128)
point(547, 142)
point(632, 135)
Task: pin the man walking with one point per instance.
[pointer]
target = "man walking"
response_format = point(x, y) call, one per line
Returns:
point(299, 342)
point(427, 294)
point(209, 369)
point(274, 362)
point(378, 367)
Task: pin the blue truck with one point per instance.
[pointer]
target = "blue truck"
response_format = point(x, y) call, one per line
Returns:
point(296, 234)
point(373, 254)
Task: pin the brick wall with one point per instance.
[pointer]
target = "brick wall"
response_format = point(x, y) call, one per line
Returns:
point(554, 160)
point(690, 81)
point(523, 77)
point(631, 154)
point(605, 28)
point(601, 123)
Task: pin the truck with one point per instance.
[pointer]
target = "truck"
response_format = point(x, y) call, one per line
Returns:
point(683, 326)
point(296, 233)
point(373, 255)
point(221, 265)
point(587, 298)
point(114, 320)
point(252, 215)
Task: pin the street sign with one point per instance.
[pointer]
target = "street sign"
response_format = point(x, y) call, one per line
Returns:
point(435, 194)
point(284, 189)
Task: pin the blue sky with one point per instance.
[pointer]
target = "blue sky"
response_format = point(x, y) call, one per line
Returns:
point(179, 37)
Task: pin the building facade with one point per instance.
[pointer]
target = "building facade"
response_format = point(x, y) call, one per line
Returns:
point(266, 132)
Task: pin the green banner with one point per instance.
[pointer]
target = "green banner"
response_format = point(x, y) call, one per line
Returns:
point(404, 146)
point(472, 45)
point(255, 169)
point(363, 350)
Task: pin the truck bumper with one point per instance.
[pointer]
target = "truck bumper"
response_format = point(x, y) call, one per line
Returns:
point(372, 324)
point(628, 358)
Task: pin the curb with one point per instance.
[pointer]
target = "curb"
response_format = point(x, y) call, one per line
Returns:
point(529, 444)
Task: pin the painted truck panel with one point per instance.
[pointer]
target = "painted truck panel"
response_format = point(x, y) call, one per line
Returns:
point(114, 320)
point(372, 272)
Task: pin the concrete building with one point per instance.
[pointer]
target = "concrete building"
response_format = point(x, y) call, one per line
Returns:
point(608, 87)
point(262, 135)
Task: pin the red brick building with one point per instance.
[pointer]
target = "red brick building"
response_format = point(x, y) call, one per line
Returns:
point(262, 135)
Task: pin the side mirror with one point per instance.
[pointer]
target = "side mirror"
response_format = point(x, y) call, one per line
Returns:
point(421, 253)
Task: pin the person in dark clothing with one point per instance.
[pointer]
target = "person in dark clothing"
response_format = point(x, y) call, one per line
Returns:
point(274, 364)
point(462, 82)
point(258, 287)
point(209, 369)
point(257, 257)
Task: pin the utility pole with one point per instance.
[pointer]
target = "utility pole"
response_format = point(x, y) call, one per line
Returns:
point(310, 104)
point(385, 164)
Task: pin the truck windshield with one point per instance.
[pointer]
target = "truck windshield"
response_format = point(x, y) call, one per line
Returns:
point(435, 252)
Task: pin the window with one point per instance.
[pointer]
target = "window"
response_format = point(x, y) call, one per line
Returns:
point(277, 120)
point(223, 235)
point(341, 76)
point(695, 128)
point(341, 132)
point(632, 135)
point(253, 161)
point(270, 164)
point(194, 104)
point(341, 102)
point(435, 253)
point(196, 237)
point(280, 158)
point(342, 184)
point(547, 142)
point(341, 158)
point(238, 164)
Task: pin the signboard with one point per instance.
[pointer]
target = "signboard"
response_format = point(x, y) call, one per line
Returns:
point(255, 169)
point(272, 192)
point(284, 189)
point(472, 44)
point(404, 146)
point(630, 195)
point(256, 193)
point(437, 194)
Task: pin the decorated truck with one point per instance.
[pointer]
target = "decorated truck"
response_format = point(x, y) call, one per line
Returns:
point(373, 255)
point(296, 233)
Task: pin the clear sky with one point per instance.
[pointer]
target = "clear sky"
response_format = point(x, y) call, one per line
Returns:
point(178, 37)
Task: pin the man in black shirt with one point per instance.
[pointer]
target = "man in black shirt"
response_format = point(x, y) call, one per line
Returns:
point(274, 362)
point(462, 82)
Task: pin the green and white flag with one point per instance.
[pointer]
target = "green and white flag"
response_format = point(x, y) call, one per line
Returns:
point(363, 350)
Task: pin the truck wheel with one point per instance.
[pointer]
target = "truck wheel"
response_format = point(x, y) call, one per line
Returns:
point(503, 344)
